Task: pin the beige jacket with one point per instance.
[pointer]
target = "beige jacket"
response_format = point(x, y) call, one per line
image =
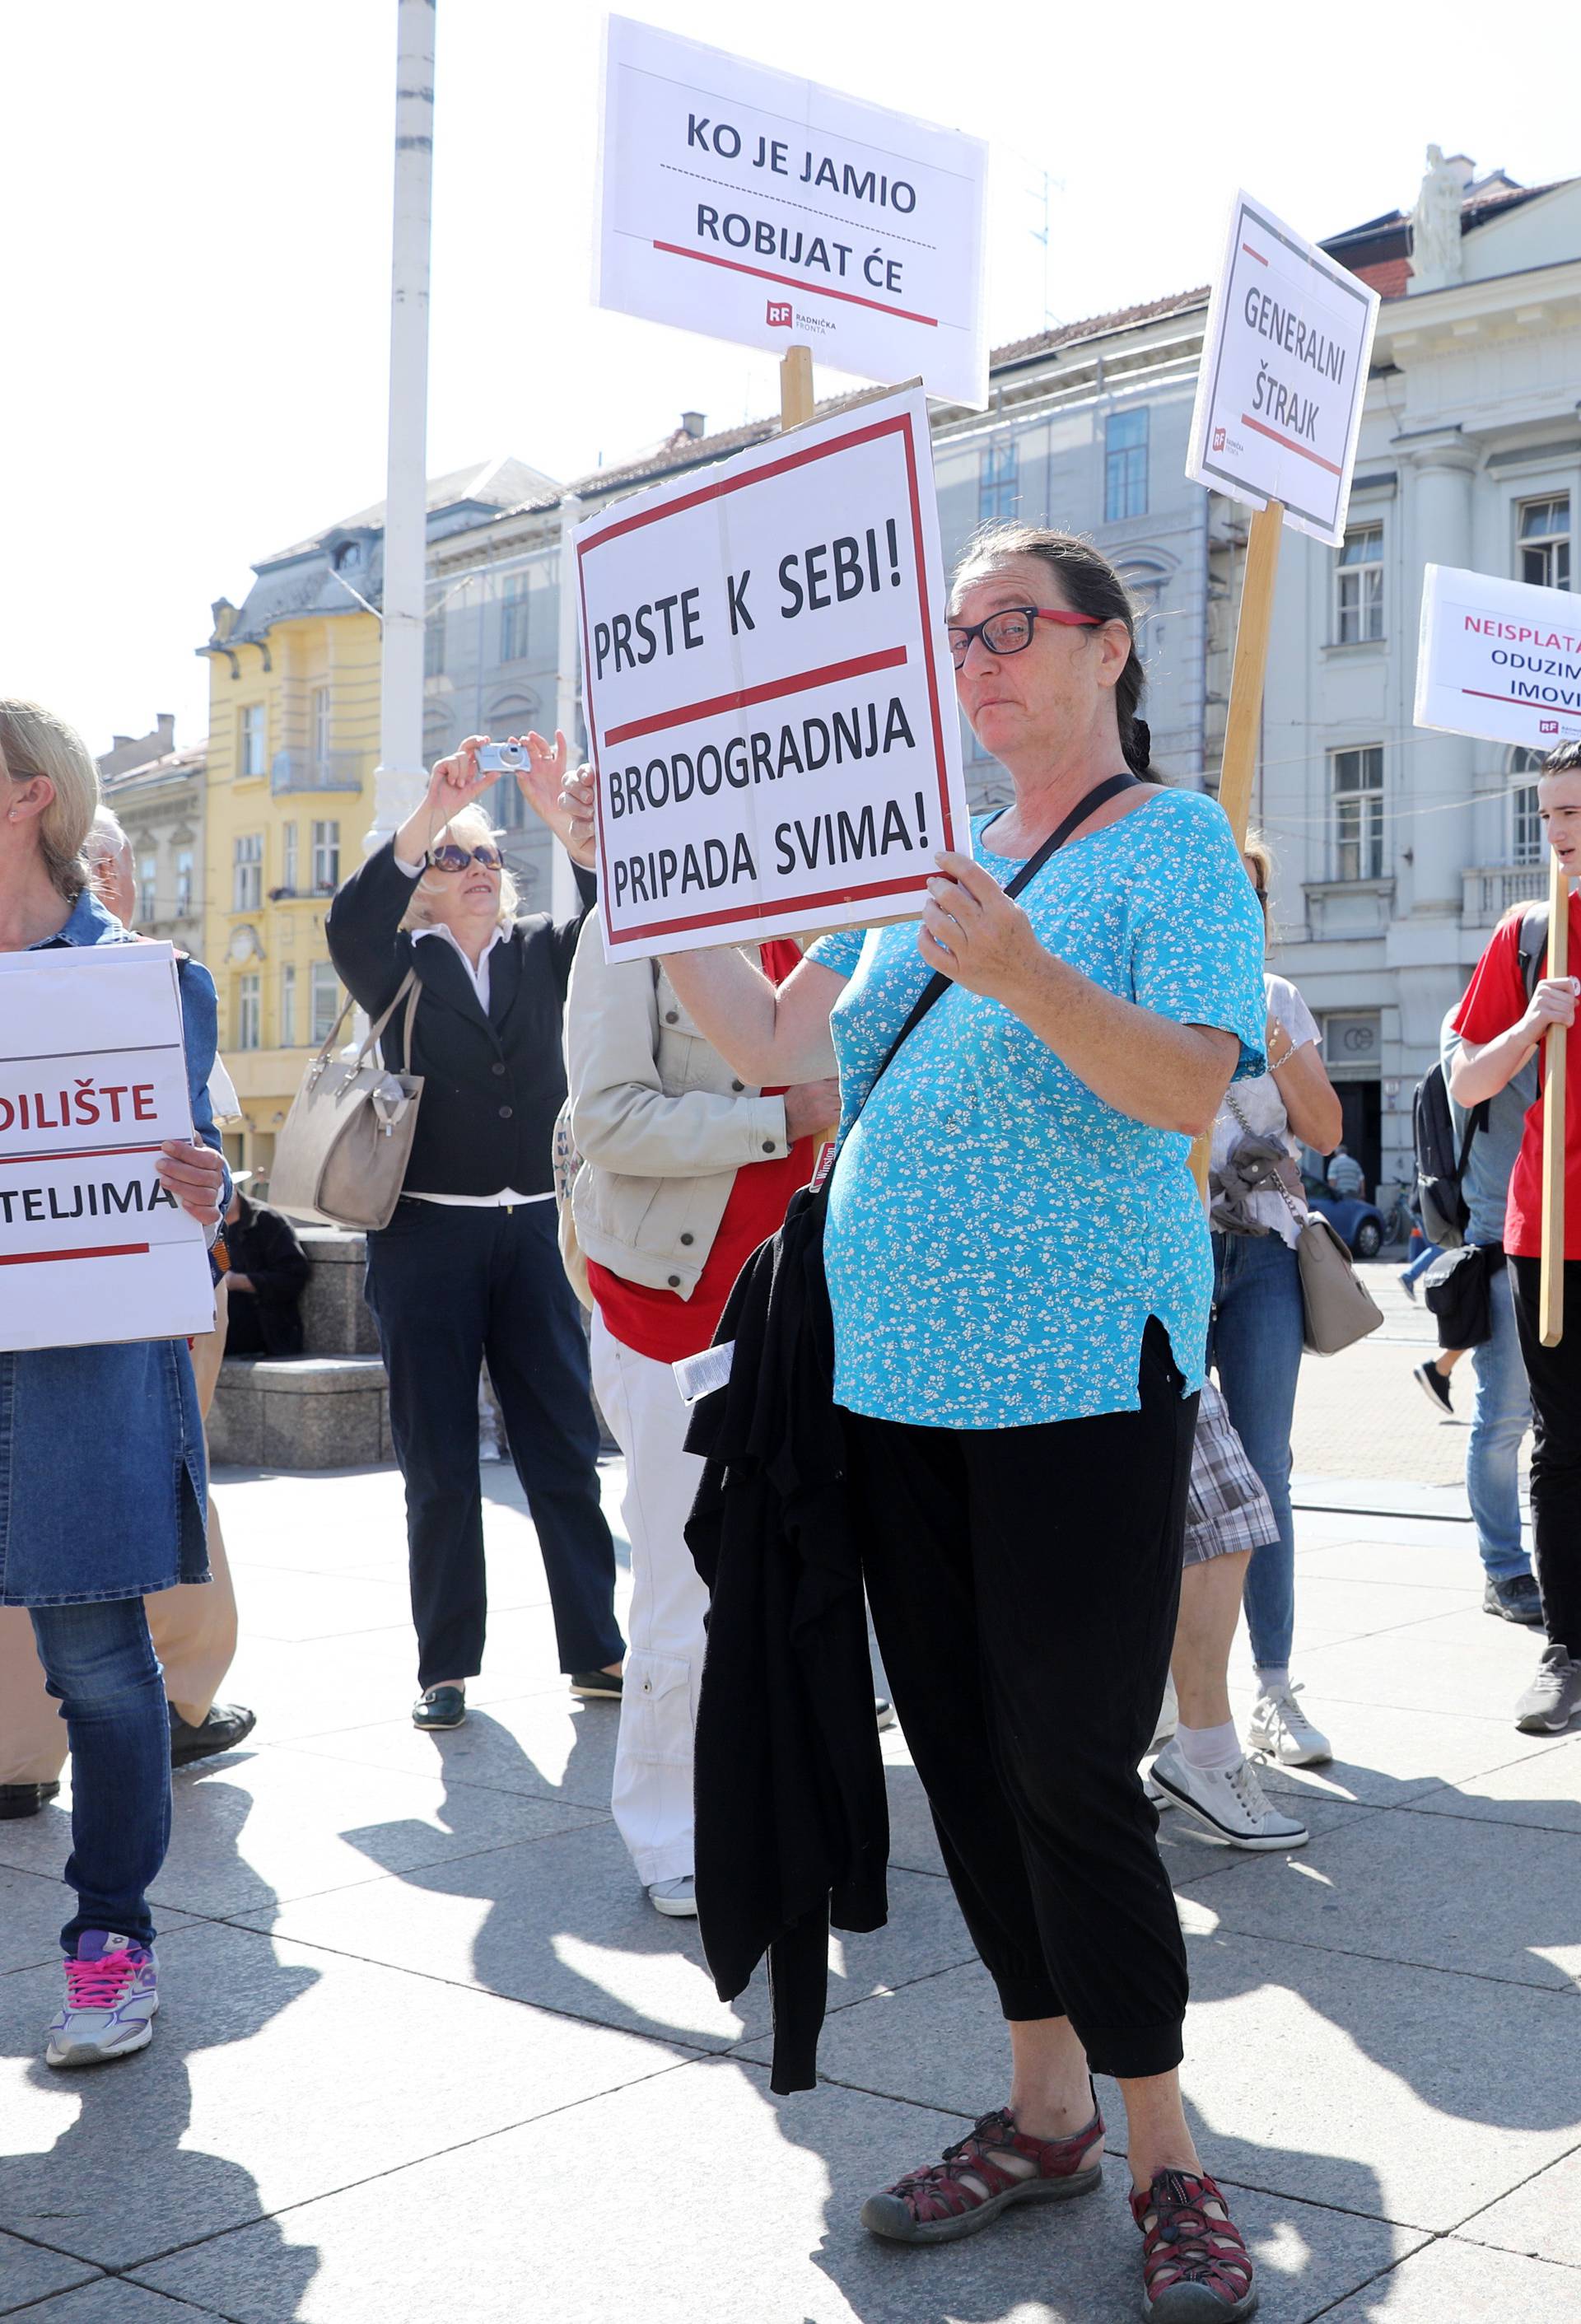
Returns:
point(660, 1120)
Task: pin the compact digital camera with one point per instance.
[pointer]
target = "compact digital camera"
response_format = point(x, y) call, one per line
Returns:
point(502, 758)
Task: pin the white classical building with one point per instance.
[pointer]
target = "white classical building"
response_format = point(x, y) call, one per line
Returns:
point(1398, 849)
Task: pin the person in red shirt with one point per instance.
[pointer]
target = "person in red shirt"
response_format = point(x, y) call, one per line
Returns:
point(1500, 1027)
point(684, 1172)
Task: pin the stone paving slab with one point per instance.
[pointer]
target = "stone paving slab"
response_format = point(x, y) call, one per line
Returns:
point(1542, 2218)
point(1453, 2283)
point(279, 2072)
point(1390, 1757)
point(1544, 1790)
point(564, 1923)
point(1372, 1890)
point(550, 1744)
point(113, 2301)
point(770, 2234)
point(1466, 1661)
point(29, 2273)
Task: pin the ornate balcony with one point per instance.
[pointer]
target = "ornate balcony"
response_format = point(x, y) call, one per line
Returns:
point(1487, 890)
point(303, 770)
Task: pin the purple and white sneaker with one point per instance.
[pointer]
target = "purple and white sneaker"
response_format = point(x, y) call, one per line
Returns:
point(112, 1991)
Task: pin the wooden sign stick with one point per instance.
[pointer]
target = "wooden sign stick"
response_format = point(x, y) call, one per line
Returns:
point(796, 387)
point(1243, 724)
point(1551, 1297)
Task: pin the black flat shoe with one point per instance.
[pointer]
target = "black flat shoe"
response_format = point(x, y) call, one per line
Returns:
point(226, 1725)
point(18, 1800)
point(597, 1686)
point(440, 1707)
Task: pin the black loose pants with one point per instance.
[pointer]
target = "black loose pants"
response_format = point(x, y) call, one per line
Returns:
point(1554, 1377)
point(1023, 1585)
point(449, 1285)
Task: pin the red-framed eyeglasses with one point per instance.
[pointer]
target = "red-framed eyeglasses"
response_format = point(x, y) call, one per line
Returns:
point(1010, 632)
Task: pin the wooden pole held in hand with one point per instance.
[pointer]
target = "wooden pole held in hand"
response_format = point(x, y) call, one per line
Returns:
point(1551, 1296)
point(1243, 724)
point(796, 387)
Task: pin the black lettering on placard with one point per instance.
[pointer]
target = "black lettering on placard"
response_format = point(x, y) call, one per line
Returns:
point(858, 565)
point(866, 730)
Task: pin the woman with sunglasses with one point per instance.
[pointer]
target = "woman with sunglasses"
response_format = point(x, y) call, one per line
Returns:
point(469, 1266)
point(1019, 1274)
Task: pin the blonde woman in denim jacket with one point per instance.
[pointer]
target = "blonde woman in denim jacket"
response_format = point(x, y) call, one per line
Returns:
point(82, 1541)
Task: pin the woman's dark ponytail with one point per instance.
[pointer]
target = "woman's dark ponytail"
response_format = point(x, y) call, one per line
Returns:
point(1091, 585)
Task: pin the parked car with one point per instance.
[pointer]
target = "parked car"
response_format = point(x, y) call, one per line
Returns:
point(1361, 1226)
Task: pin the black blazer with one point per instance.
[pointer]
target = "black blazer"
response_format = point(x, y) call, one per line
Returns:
point(492, 1083)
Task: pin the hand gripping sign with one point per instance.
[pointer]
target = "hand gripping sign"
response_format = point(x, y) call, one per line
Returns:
point(1283, 374)
point(768, 691)
point(92, 1078)
point(758, 207)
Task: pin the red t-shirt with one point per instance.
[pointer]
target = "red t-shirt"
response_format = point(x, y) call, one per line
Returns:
point(1496, 1000)
point(659, 1323)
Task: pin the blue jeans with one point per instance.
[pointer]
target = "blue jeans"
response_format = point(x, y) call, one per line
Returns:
point(1421, 1263)
point(1500, 1414)
point(101, 1667)
point(1254, 1345)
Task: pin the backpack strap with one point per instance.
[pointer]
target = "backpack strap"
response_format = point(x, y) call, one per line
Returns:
point(1531, 946)
point(1477, 1119)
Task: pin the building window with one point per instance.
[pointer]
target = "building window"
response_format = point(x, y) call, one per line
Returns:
point(1358, 813)
point(1527, 843)
point(327, 855)
point(184, 884)
point(325, 999)
point(434, 645)
point(320, 707)
point(516, 618)
point(1358, 587)
point(250, 751)
point(1543, 531)
point(997, 483)
point(147, 872)
point(247, 873)
point(288, 869)
point(1125, 466)
point(249, 1027)
point(288, 1006)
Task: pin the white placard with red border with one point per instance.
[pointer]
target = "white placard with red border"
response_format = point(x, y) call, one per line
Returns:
point(1283, 374)
point(1499, 659)
point(769, 689)
point(92, 1078)
point(757, 206)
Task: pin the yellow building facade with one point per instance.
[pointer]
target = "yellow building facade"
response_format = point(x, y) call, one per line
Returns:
point(293, 742)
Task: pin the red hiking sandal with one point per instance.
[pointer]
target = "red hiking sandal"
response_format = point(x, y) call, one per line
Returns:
point(972, 2185)
point(1195, 2268)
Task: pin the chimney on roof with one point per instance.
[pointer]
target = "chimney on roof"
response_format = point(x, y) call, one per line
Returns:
point(1464, 167)
point(693, 424)
point(165, 720)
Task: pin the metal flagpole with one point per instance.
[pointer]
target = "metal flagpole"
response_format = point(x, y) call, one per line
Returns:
point(563, 897)
point(398, 780)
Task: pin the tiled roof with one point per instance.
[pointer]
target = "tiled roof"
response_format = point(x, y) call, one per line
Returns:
point(501, 483)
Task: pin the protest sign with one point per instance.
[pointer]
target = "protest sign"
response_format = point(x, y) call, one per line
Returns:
point(1499, 659)
point(768, 691)
point(757, 206)
point(92, 1078)
point(1284, 373)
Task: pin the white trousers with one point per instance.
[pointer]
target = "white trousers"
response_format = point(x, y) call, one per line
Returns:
point(652, 1795)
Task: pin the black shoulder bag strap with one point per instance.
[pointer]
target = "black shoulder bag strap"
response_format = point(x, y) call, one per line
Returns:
point(937, 986)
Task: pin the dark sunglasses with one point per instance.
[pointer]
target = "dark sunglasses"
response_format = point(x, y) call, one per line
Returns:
point(452, 858)
point(1010, 631)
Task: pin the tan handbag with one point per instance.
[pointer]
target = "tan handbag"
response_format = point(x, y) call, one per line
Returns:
point(341, 1158)
point(1338, 1309)
point(566, 1163)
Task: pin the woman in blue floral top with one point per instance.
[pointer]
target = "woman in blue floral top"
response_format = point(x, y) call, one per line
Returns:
point(1019, 1273)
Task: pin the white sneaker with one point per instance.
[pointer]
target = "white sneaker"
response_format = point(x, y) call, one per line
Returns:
point(1280, 1730)
point(677, 1899)
point(1160, 1798)
point(112, 1992)
point(883, 1712)
point(1554, 1694)
point(1226, 1803)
